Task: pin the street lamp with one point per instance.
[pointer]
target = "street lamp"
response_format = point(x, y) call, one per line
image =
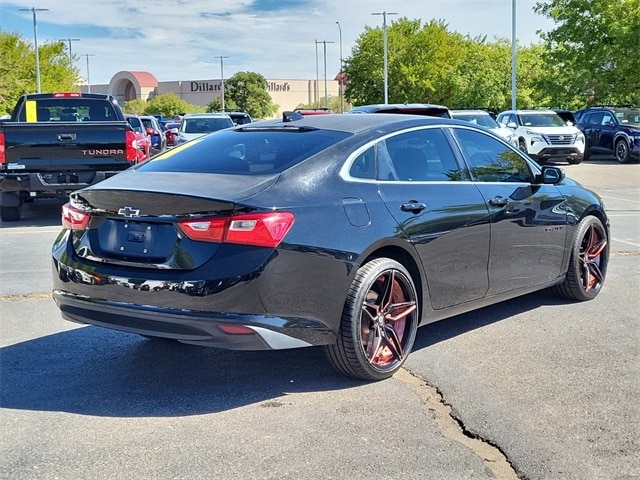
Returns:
point(384, 36)
point(88, 77)
point(222, 81)
point(316, 90)
point(70, 55)
point(341, 70)
point(513, 54)
point(35, 39)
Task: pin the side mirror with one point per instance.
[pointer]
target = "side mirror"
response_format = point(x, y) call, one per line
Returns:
point(552, 175)
point(513, 125)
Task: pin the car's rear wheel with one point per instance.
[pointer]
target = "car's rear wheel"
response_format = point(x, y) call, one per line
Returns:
point(379, 322)
point(588, 263)
point(622, 151)
point(10, 214)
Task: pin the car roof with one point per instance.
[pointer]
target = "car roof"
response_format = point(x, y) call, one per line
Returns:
point(206, 115)
point(528, 112)
point(352, 123)
point(472, 111)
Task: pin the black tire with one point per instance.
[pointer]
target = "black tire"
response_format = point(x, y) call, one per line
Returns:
point(522, 145)
point(379, 322)
point(574, 160)
point(10, 214)
point(588, 263)
point(587, 152)
point(622, 151)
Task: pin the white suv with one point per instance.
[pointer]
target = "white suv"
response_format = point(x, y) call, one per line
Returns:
point(543, 135)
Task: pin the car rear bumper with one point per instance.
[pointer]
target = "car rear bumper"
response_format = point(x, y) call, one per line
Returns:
point(222, 330)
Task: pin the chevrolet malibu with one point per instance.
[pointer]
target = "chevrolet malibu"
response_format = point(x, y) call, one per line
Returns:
point(341, 231)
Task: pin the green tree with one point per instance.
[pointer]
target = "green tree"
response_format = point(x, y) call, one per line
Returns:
point(18, 69)
point(170, 105)
point(593, 50)
point(135, 107)
point(247, 92)
point(332, 101)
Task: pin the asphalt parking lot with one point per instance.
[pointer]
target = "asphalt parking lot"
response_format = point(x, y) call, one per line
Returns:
point(533, 388)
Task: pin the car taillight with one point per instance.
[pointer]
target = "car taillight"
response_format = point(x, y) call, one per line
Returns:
point(132, 146)
point(256, 229)
point(74, 219)
point(3, 153)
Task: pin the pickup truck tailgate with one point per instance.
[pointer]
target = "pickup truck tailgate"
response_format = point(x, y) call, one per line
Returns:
point(65, 146)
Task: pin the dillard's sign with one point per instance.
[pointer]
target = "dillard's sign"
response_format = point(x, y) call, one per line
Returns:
point(216, 87)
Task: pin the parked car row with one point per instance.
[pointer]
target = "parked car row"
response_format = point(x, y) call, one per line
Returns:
point(546, 134)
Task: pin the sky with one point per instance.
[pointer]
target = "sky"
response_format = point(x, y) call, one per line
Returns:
point(279, 39)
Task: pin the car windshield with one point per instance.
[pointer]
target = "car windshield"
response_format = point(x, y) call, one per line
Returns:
point(245, 152)
point(628, 116)
point(478, 119)
point(541, 120)
point(205, 125)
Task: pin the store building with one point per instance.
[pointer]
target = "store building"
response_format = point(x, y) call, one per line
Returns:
point(286, 94)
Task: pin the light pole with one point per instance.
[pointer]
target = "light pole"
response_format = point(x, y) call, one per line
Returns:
point(326, 94)
point(70, 55)
point(222, 80)
point(35, 39)
point(513, 54)
point(316, 90)
point(88, 77)
point(341, 70)
point(384, 36)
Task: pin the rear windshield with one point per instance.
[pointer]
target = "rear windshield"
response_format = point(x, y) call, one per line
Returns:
point(67, 110)
point(245, 152)
point(205, 125)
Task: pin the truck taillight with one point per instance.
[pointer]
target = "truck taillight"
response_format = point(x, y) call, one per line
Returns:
point(73, 218)
point(67, 95)
point(132, 146)
point(3, 153)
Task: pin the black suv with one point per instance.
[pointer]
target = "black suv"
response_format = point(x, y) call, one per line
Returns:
point(611, 131)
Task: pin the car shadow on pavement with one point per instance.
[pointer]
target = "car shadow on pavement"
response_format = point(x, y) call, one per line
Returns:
point(95, 371)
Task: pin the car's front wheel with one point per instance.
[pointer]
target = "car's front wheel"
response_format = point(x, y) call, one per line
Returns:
point(588, 263)
point(379, 322)
point(622, 151)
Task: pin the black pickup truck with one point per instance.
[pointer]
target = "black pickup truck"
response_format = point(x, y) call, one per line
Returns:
point(55, 143)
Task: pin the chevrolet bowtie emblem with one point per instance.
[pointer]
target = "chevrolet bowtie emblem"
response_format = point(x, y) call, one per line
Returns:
point(129, 212)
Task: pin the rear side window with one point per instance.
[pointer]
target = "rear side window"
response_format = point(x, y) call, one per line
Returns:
point(245, 152)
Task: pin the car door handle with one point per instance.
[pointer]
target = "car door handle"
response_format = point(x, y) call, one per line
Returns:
point(413, 206)
point(498, 201)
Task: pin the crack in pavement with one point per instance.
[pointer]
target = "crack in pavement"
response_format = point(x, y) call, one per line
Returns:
point(454, 429)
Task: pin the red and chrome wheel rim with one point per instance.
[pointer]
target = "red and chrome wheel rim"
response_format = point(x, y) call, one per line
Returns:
point(592, 258)
point(389, 312)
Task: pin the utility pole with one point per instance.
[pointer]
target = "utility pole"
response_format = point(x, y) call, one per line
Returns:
point(326, 93)
point(341, 72)
point(384, 36)
point(70, 54)
point(35, 40)
point(222, 81)
point(88, 76)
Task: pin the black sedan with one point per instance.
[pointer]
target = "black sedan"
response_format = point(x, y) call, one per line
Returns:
point(341, 231)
